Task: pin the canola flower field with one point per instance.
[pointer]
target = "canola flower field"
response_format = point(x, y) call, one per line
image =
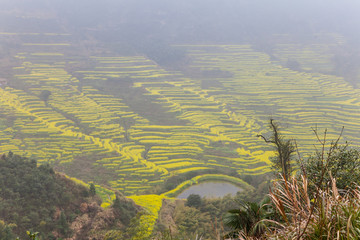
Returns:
point(223, 110)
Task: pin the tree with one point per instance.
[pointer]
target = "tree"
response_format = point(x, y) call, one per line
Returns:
point(117, 203)
point(284, 150)
point(193, 200)
point(92, 190)
point(191, 222)
point(63, 225)
point(44, 95)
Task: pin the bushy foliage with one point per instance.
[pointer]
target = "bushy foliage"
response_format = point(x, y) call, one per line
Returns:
point(191, 222)
point(30, 196)
point(343, 164)
point(310, 205)
point(193, 200)
point(124, 210)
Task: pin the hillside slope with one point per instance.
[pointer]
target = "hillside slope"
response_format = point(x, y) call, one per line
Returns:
point(38, 199)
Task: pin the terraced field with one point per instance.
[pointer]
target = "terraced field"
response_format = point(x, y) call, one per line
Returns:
point(224, 108)
point(260, 88)
point(316, 56)
point(129, 124)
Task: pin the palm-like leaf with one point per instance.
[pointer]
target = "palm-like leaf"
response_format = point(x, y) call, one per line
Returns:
point(247, 218)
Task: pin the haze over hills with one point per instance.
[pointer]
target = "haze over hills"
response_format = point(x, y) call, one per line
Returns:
point(141, 97)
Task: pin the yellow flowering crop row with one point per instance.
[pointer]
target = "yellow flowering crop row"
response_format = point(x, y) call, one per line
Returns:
point(152, 204)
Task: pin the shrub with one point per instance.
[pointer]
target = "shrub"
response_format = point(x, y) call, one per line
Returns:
point(194, 200)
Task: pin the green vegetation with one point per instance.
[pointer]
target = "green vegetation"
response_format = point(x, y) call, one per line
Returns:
point(92, 190)
point(193, 200)
point(249, 218)
point(284, 150)
point(179, 219)
point(343, 165)
point(24, 186)
point(35, 198)
point(124, 210)
point(308, 205)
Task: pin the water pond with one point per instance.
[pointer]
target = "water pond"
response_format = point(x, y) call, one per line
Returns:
point(210, 190)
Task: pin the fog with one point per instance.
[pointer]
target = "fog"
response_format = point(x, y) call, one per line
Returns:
point(195, 21)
